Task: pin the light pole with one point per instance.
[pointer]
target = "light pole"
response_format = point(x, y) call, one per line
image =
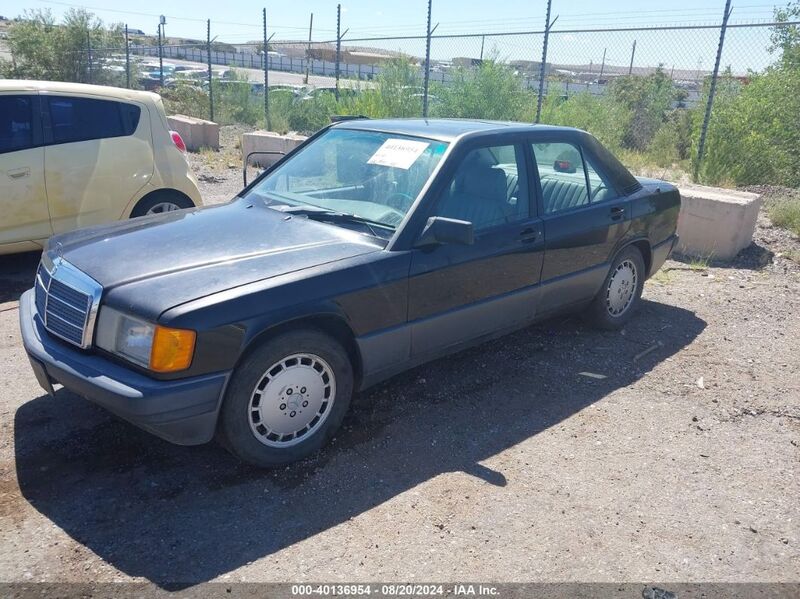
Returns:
point(162, 20)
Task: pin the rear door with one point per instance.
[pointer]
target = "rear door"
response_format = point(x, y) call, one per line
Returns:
point(23, 201)
point(99, 154)
point(584, 219)
point(462, 292)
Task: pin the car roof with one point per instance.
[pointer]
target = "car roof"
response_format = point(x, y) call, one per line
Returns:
point(443, 129)
point(119, 93)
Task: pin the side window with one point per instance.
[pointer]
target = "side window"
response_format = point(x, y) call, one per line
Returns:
point(82, 119)
point(561, 175)
point(16, 127)
point(488, 188)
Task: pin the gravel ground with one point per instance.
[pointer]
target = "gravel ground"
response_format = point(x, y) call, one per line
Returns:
point(503, 463)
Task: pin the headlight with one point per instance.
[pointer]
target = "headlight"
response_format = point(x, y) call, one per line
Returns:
point(152, 346)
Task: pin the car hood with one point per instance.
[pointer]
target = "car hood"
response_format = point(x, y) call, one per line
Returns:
point(153, 263)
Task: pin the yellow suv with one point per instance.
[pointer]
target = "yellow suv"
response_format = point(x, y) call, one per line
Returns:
point(74, 155)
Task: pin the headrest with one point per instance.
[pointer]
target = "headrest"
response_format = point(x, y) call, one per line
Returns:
point(483, 181)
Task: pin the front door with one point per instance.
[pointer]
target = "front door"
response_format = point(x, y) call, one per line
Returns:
point(584, 220)
point(23, 202)
point(458, 293)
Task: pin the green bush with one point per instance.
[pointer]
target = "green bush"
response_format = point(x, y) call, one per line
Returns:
point(648, 100)
point(490, 91)
point(185, 98)
point(754, 132)
point(600, 115)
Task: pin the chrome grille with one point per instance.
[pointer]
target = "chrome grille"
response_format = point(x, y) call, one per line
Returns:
point(66, 301)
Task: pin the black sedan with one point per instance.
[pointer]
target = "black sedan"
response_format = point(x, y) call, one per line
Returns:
point(373, 247)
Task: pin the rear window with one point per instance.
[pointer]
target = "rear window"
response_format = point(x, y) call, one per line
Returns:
point(81, 119)
point(16, 130)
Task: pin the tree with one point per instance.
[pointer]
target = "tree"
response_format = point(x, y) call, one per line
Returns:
point(44, 49)
point(786, 38)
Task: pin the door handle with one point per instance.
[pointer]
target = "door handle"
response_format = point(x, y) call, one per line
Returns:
point(19, 173)
point(528, 235)
point(617, 212)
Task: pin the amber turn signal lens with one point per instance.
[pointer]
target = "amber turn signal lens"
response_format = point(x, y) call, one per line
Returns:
point(172, 350)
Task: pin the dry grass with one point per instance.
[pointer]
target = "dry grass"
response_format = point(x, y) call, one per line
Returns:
point(785, 213)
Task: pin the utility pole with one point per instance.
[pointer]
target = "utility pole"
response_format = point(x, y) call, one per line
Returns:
point(704, 130)
point(127, 59)
point(633, 53)
point(266, 71)
point(543, 66)
point(308, 51)
point(210, 77)
point(427, 75)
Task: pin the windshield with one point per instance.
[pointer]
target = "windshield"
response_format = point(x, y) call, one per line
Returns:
point(371, 175)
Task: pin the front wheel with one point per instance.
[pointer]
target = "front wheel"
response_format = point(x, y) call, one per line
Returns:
point(621, 292)
point(287, 398)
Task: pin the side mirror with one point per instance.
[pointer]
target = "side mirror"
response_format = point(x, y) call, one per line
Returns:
point(440, 229)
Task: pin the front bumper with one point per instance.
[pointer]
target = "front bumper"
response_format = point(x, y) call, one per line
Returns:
point(181, 411)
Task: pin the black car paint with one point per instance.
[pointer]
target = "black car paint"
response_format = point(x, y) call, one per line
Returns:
point(237, 272)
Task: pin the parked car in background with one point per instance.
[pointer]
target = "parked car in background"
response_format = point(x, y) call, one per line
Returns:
point(74, 155)
point(373, 247)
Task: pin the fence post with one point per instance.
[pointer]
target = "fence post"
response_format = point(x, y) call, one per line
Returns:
point(127, 59)
point(210, 77)
point(704, 130)
point(542, 67)
point(633, 53)
point(338, 44)
point(427, 74)
point(602, 65)
point(308, 51)
point(89, 54)
point(266, 72)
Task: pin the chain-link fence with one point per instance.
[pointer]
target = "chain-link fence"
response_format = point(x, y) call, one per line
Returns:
point(645, 91)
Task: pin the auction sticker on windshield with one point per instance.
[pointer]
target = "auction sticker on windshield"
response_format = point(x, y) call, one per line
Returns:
point(398, 153)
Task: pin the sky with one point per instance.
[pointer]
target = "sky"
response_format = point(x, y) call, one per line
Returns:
point(237, 21)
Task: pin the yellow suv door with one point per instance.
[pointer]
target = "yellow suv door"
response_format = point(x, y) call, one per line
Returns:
point(98, 155)
point(23, 202)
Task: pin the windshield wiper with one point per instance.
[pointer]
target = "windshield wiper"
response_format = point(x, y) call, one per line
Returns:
point(326, 214)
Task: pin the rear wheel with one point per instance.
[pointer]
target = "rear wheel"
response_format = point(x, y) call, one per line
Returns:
point(621, 293)
point(160, 202)
point(287, 398)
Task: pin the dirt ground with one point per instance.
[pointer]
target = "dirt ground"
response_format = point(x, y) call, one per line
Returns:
point(667, 451)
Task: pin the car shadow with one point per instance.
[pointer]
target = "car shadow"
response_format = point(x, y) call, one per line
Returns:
point(17, 272)
point(178, 516)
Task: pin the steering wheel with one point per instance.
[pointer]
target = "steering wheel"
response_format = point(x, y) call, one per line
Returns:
point(400, 201)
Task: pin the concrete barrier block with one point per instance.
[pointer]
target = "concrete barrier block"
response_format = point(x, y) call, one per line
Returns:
point(267, 141)
point(716, 222)
point(196, 133)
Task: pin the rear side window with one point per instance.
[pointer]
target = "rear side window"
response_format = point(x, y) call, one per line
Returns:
point(82, 119)
point(567, 178)
point(16, 127)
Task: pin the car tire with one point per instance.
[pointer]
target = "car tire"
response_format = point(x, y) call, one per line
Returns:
point(161, 201)
point(621, 292)
point(278, 389)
